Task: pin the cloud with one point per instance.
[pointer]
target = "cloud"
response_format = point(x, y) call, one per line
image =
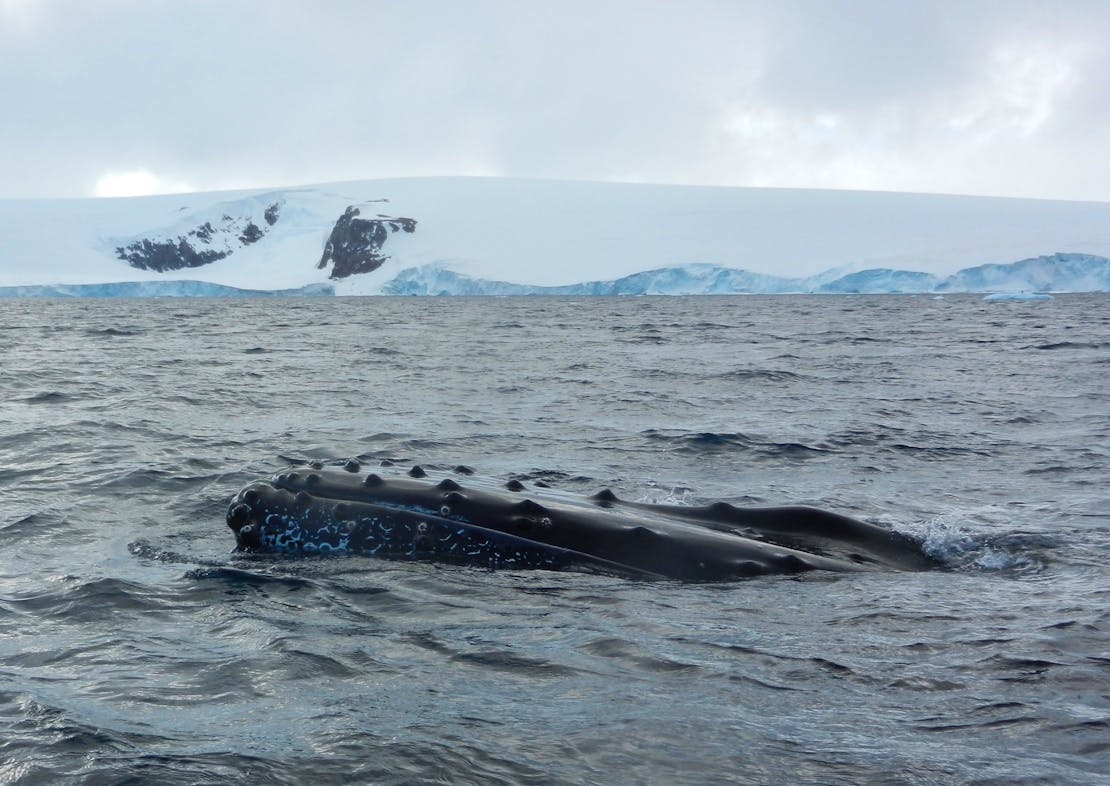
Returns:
point(974, 96)
point(137, 182)
point(17, 15)
point(975, 101)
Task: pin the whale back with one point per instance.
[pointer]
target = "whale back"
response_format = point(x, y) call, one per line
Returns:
point(330, 510)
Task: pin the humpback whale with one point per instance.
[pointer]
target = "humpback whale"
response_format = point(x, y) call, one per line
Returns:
point(322, 509)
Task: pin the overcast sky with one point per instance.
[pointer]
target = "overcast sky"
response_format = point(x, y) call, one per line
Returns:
point(134, 96)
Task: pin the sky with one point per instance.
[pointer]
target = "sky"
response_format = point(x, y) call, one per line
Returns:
point(127, 97)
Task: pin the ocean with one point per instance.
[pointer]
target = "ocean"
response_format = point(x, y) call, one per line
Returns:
point(136, 648)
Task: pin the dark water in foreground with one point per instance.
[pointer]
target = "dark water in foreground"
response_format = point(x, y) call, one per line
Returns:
point(134, 648)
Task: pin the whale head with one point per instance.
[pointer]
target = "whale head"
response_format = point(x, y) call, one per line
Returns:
point(318, 510)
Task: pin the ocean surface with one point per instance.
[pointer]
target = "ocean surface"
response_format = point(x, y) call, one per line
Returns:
point(136, 648)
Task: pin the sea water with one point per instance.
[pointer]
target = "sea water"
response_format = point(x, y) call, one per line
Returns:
point(136, 648)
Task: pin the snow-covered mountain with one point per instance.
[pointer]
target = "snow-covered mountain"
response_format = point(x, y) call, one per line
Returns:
point(507, 236)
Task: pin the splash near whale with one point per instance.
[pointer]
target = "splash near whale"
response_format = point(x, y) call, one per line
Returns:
point(333, 510)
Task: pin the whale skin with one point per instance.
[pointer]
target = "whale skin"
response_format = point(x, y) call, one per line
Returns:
point(319, 509)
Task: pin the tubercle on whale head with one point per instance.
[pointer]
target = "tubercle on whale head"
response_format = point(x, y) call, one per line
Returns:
point(298, 512)
point(295, 515)
point(245, 531)
point(241, 518)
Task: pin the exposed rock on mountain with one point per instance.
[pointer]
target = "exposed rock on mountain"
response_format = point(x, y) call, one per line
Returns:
point(166, 255)
point(201, 245)
point(355, 244)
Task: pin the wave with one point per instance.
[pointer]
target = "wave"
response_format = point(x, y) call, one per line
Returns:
point(715, 441)
point(1074, 345)
point(758, 375)
point(241, 577)
point(88, 601)
point(113, 331)
point(49, 397)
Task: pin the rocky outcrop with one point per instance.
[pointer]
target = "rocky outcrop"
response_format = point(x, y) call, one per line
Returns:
point(163, 255)
point(201, 245)
point(355, 244)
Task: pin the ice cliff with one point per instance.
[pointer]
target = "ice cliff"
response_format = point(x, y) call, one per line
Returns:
point(160, 289)
point(1055, 273)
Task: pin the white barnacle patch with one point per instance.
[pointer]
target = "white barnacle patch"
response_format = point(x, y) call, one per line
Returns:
point(289, 540)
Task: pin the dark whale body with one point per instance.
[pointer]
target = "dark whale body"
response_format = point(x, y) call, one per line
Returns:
point(318, 510)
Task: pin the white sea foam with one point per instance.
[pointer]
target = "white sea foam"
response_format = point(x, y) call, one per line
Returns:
point(951, 539)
